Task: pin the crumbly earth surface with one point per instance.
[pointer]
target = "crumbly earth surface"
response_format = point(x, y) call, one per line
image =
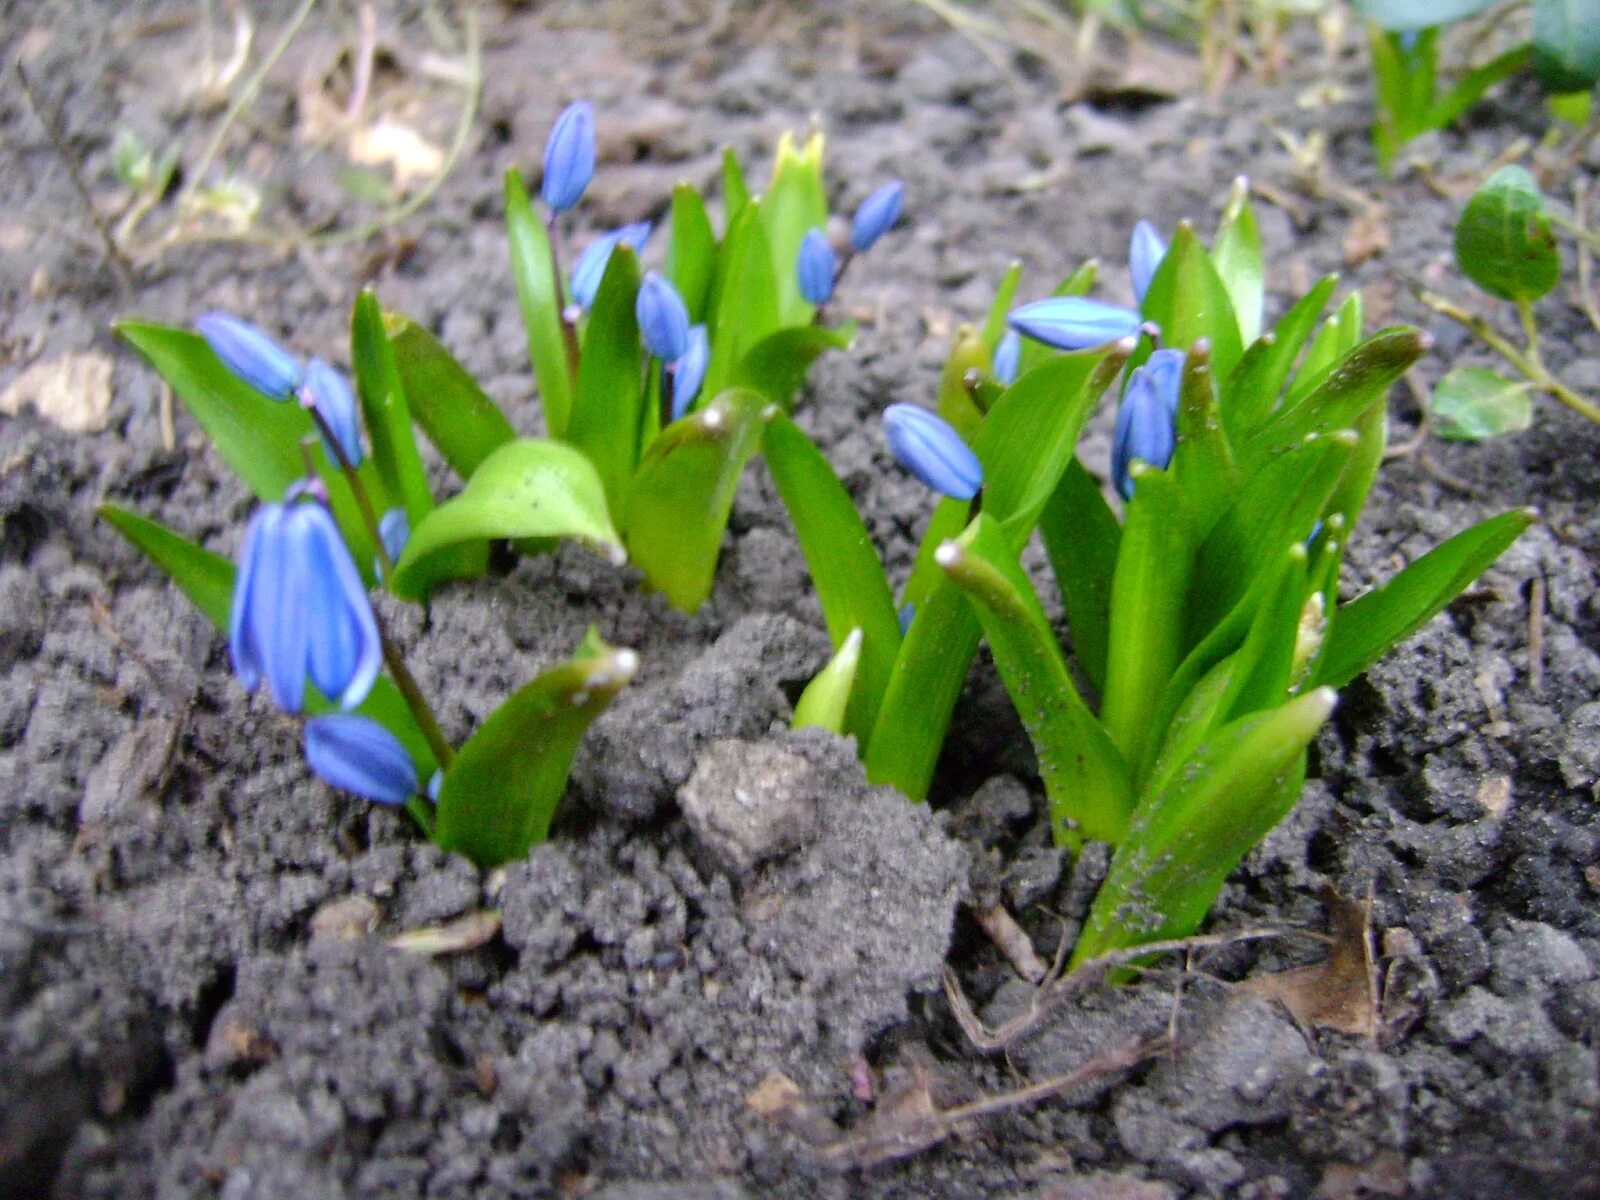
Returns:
point(198, 997)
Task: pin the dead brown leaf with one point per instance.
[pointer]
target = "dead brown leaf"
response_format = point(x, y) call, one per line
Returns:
point(1340, 992)
point(453, 937)
point(1383, 1175)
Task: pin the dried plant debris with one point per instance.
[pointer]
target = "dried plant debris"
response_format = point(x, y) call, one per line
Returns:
point(1341, 991)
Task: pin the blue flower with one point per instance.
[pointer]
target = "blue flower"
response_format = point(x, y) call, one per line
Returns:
point(816, 266)
point(326, 390)
point(356, 754)
point(299, 608)
point(1008, 357)
point(569, 157)
point(251, 353)
point(1073, 323)
point(590, 268)
point(927, 446)
point(906, 615)
point(877, 213)
point(1146, 428)
point(1145, 252)
point(394, 527)
point(690, 371)
point(663, 319)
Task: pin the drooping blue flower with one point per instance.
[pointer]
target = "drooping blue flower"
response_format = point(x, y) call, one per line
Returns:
point(1008, 357)
point(877, 213)
point(663, 318)
point(690, 371)
point(930, 448)
point(394, 527)
point(299, 608)
point(568, 157)
point(252, 354)
point(1146, 249)
point(590, 268)
point(356, 754)
point(1074, 323)
point(906, 615)
point(328, 392)
point(1147, 419)
point(816, 267)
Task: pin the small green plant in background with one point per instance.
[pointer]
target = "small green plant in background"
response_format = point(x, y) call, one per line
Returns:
point(1205, 627)
point(1409, 95)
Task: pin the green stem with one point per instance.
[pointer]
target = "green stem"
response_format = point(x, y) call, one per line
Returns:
point(415, 701)
point(369, 515)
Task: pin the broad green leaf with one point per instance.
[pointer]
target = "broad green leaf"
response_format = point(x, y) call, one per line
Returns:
point(1403, 85)
point(1237, 256)
point(1265, 661)
point(607, 406)
point(735, 192)
point(1188, 299)
point(794, 203)
point(539, 292)
point(826, 700)
point(1472, 403)
point(1405, 16)
point(744, 299)
point(1187, 836)
point(1503, 240)
point(505, 784)
point(1255, 386)
point(677, 508)
point(692, 252)
point(387, 415)
point(994, 326)
point(525, 489)
point(1362, 631)
point(776, 366)
point(1203, 462)
point(459, 419)
point(1082, 537)
point(1084, 776)
point(1566, 43)
point(844, 564)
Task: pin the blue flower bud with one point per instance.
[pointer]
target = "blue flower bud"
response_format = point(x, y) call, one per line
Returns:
point(663, 319)
point(931, 449)
point(356, 754)
point(1147, 419)
point(877, 213)
point(326, 390)
point(816, 266)
point(1145, 252)
point(1073, 323)
point(299, 608)
point(394, 527)
point(251, 353)
point(907, 614)
point(569, 157)
point(690, 371)
point(1008, 357)
point(590, 268)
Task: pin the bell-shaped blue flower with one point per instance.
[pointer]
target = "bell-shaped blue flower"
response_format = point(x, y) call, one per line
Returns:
point(590, 268)
point(1008, 357)
point(816, 267)
point(1147, 419)
point(930, 448)
point(663, 318)
point(1074, 323)
point(356, 754)
point(299, 608)
point(1146, 249)
point(877, 213)
point(326, 391)
point(569, 157)
point(394, 527)
point(252, 354)
point(690, 371)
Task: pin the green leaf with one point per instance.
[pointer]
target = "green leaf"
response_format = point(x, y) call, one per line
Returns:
point(1364, 630)
point(744, 298)
point(794, 204)
point(1471, 403)
point(776, 366)
point(1203, 462)
point(458, 418)
point(1255, 386)
point(1503, 240)
point(1084, 776)
point(735, 192)
point(844, 564)
point(969, 358)
point(677, 508)
point(525, 489)
point(1237, 256)
point(1082, 537)
point(1566, 43)
point(994, 326)
point(539, 293)
point(608, 405)
point(502, 790)
point(1188, 299)
point(385, 411)
point(692, 252)
point(1470, 87)
point(826, 700)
